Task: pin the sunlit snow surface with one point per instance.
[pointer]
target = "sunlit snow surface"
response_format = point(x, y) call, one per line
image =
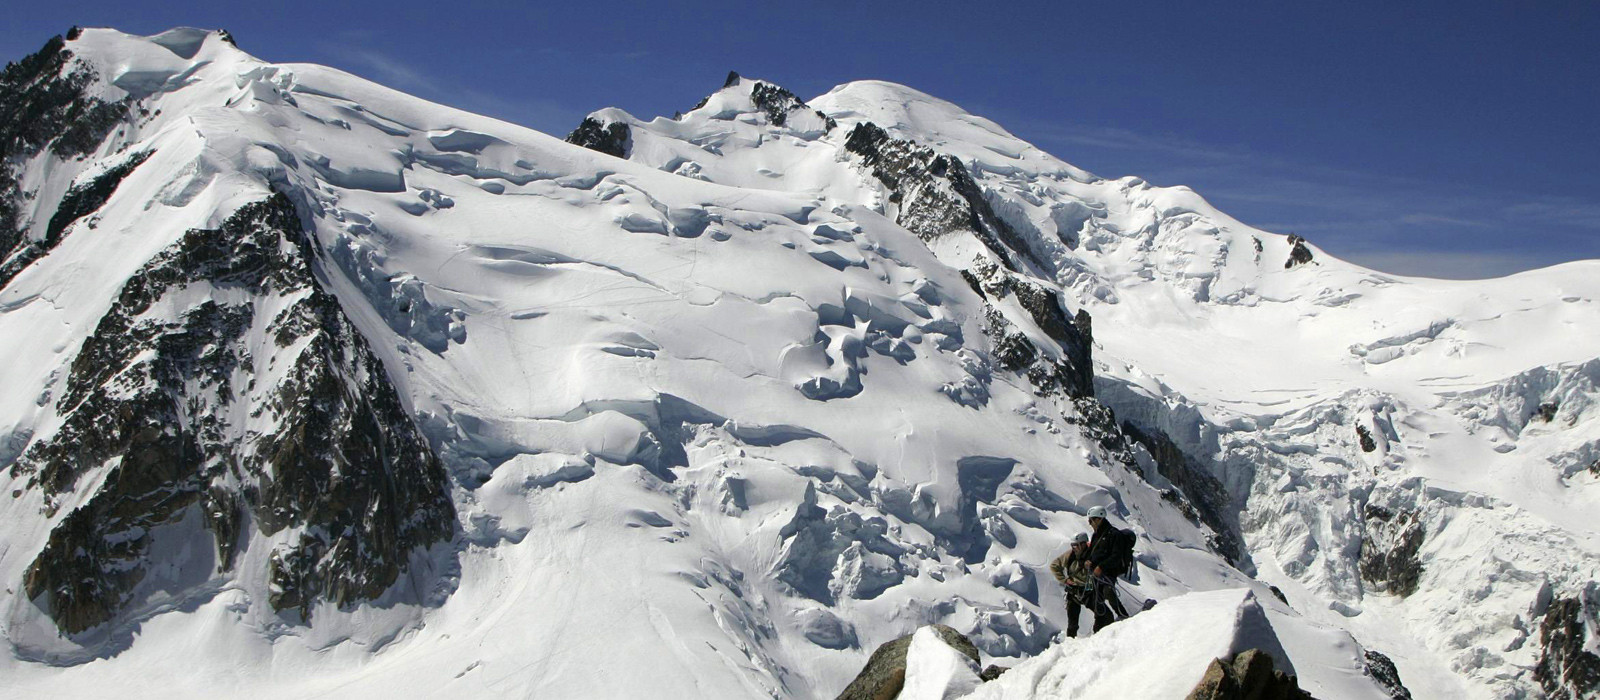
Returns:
point(551, 313)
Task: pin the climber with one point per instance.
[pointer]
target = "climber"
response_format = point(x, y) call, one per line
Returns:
point(1110, 554)
point(1072, 570)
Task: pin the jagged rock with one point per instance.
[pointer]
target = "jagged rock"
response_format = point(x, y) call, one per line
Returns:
point(777, 103)
point(1364, 436)
point(613, 139)
point(80, 201)
point(1567, 670)
point(1546, 411)
point(166, 400)
point(1278, 593)
point(44, 106)
point(935, 193)
point(1389, 551)
point(1207, 497)
point(992, 672)
point(1248, 676)
point(1383, 671)
point(1299, 254)
point(885, 672)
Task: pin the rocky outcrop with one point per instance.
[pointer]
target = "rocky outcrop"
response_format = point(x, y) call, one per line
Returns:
point(885, 672)
point(1299, 254)
point(1249, 675)
point(1389, 551)
point(1364, 437)
point(44, 107)
point(1382, 670)
point(1199, 493)
point(259, 405)
point(1567, 669)
point(1072, 374)
point(80, 201)
point(936, 195)
point(777, 103)
point(612, 139)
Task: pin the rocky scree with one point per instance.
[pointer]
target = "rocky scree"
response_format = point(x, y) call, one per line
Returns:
point(300, 434)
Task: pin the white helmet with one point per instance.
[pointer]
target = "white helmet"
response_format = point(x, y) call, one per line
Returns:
point(1080, 538)
point(1097, 512)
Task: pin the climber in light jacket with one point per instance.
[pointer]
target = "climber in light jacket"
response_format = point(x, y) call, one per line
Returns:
point(1073, 571)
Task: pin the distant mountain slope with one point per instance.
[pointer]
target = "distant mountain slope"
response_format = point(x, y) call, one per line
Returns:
point(314, 387)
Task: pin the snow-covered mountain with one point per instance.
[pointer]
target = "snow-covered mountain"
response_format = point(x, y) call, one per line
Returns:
point(313, 387)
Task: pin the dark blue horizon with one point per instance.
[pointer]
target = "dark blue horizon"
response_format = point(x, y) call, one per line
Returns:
point(1426, 138)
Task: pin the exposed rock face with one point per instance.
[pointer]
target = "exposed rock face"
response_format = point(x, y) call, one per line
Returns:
point(1200, 491)
point(1567, 670)
point(1248, 676)
point(43, 108)
point(885, 673)
point(935, 193)
point(1299, 254)
point(190, 426)
point(1073, 375)
point(1364, 436)
point(1389, 552)
point(1382, 670)
point(80, 201)
point(777, 103)
point(613, 139)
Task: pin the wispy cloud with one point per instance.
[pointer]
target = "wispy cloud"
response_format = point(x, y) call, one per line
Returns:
point(1402, 225)
point(1447, 264)
point(383, 68)
point(1559, 211)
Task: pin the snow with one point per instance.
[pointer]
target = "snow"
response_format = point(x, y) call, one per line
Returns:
point(707, 409)
point(935, 670)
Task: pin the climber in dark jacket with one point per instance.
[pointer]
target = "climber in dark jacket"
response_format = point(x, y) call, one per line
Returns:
point(1072, 570)
point(1105, 562)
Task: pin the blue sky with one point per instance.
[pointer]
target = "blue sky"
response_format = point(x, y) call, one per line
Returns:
point(1450, 139)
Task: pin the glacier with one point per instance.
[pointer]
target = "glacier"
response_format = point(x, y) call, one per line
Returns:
point(313, 387)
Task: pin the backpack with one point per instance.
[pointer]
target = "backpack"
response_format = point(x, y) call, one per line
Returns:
point(1122, 558)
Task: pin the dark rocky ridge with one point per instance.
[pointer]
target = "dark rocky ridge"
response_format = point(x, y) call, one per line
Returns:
point(936, 194)
point(613, 139)
point(1073, 374)
point(43, 107)
point(777, 103)
point(1299, 254)
point(80, 201)
point(173, 406)
point(1249, 675)
point(1567, 670)
point(1198, 492)
point(1382, 670)
point(1389, 549)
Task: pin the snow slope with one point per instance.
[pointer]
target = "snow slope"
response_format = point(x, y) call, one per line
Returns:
point(723, 415)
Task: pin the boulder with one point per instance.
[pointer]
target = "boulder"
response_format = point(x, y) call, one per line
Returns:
point(885, 673)
point(1248, 676)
